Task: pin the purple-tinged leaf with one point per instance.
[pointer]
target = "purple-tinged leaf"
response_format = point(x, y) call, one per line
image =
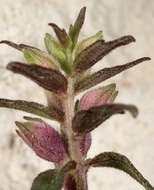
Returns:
point(43, 180)
point(86, 120)
point(96, 51)
point(105, 74)
point(75, 29)
point(43, 139)
point(19, 47)
point(61, 35)
point(33, 108)
point(49, 79)
point(85, 144)
point(121, 162)
point(96, 97)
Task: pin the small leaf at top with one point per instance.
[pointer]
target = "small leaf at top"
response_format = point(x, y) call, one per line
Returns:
point(57, 51)
point(61, 35)
point(75, 29)
point(105, 74)
point(43, 180)
point(87, 120)
point(49, 79)
point(96, 51)
point(33, 108)
point(121, 162)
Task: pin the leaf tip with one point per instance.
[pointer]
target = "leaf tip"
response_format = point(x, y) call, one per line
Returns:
point(128, 39)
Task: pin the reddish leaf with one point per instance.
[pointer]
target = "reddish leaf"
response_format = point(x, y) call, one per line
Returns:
point(105, 74)
point(43, 139)
point(97, 97)
point(49, 79)
point(87, 120)
point(93, 53)
point(19, 47)
point(61, 35)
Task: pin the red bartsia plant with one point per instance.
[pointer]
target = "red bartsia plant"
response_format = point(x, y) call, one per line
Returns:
point(63, 73)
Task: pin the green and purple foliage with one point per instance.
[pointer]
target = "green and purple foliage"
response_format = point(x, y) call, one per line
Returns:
point(63, 73)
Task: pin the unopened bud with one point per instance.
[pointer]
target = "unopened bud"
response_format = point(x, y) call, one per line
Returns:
point(43, 139)
point(97, 97)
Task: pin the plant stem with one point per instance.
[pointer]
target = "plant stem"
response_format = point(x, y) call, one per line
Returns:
point(74, 143)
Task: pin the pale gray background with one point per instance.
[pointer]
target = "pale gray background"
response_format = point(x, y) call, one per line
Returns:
point(25, 21)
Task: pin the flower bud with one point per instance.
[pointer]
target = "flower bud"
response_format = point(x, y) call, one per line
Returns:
point(43, 139)
point(93, 98)
point(98, 97)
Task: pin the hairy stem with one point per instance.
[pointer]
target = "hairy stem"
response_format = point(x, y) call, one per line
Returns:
point(74, 143)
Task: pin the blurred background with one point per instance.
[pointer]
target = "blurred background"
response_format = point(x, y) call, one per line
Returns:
point(25, 21)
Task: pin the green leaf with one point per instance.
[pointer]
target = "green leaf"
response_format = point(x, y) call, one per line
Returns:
point(43, 180)
point(61, 35)
point(87, 120)
point(49, 79)
point(34, 56)
point(33, 108)
point(52, 179)
point(75, 29)
point(121, 162)
point(58, 180)
point(57, 51)
point(87, 42)
point(19, 47)
point(96, 51)
point(113, 96)
point(105, 74)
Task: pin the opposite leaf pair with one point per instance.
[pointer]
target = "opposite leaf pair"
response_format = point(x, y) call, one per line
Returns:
point(63, 74)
